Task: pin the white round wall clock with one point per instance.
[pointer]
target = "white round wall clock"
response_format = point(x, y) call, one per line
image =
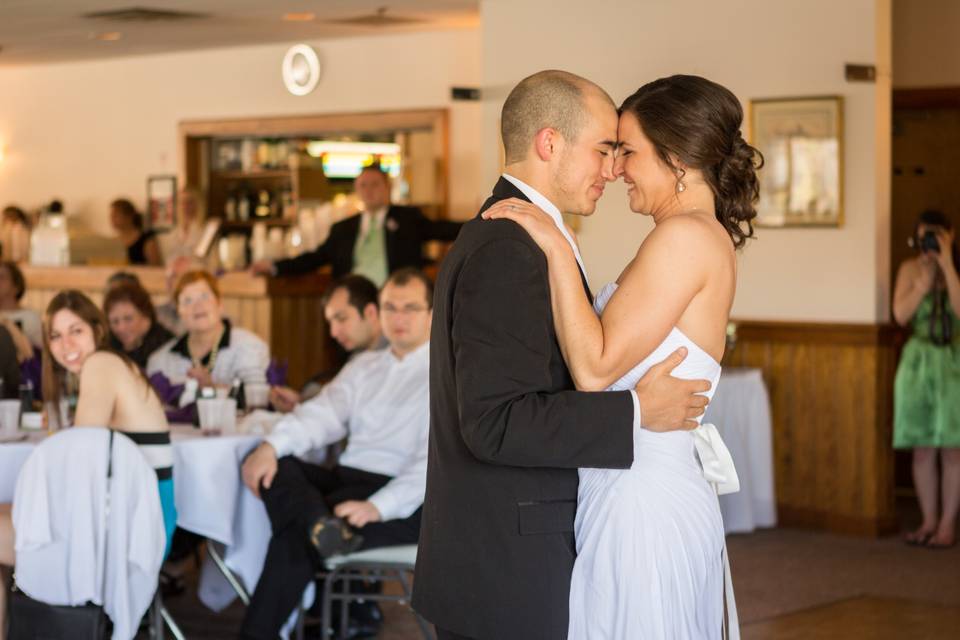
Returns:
point(301, 69)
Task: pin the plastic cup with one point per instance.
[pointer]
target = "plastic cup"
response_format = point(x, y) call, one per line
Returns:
point(217, 415)
point(9, 416)
point(256, 394)
point(228, 415)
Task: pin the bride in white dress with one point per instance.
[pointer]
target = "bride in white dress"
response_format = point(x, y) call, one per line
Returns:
point(650, 543)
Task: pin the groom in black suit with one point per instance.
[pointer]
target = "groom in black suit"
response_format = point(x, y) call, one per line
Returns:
point(507, 429)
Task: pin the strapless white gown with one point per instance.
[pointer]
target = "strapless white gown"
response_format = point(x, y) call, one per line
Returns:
point(650, 545)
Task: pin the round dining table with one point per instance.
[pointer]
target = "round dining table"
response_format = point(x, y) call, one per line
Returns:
point(211, 501)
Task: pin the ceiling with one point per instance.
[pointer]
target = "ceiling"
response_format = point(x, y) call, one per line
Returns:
point(44, 31)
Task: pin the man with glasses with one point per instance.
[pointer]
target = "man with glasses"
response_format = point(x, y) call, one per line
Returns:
point(372, 498)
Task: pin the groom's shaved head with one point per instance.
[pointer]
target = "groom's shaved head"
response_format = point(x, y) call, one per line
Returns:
point(554, 99)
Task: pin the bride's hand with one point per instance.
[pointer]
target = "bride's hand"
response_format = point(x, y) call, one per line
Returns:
point(532, 218)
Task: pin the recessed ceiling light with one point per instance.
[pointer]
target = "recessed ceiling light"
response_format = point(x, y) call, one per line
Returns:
point(107, 36)
point(305, 16)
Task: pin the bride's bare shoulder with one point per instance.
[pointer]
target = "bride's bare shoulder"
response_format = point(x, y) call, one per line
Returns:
point(689, 234)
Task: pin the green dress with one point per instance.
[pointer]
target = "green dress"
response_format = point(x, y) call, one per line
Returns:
point(926, 391)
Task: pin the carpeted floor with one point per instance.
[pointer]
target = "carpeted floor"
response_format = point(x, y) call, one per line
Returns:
point(789, 584)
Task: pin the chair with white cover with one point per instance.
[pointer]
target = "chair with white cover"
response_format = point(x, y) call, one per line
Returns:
point(381, 564)
point(77, 542)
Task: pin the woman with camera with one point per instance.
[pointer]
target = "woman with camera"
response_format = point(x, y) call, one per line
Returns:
point(927, 385)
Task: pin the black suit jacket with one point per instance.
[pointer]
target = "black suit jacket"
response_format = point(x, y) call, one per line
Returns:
point(405, 231)
point(507, 434)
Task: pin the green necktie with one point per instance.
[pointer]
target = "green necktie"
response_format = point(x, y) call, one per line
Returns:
point(370, 254)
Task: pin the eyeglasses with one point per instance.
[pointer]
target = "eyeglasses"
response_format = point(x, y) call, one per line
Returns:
point(405, 310)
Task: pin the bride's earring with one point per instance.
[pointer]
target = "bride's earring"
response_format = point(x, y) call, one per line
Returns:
point(681, 187)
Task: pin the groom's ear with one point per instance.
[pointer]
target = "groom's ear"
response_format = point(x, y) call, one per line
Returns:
point(546, 143)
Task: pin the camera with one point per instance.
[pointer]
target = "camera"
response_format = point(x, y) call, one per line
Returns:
point(929, 243)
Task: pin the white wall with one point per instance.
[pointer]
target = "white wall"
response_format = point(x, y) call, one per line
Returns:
point(926, 49)
point(88, 132)
point(757, 48)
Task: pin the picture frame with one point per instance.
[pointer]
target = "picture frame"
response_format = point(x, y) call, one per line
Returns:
point(801, 139)
point(161, 214)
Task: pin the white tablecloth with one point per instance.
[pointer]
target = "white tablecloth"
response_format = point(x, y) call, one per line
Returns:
point(741, 412)
point(211, 501)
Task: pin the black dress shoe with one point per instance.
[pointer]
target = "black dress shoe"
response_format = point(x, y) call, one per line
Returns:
point(332, 536)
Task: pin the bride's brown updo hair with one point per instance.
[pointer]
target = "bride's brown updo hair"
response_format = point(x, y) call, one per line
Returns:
point(698, 122)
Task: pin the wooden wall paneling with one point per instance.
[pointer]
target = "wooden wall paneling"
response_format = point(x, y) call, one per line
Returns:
point(830, 391)
point(261, 314)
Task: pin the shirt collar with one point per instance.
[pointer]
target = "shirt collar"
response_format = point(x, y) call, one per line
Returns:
point(181, 345)
point(374, 217)
point(418, 355)
point(551, 210)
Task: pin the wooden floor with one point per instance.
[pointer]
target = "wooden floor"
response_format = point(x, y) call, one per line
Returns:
point(863, 617)
point(790, 584)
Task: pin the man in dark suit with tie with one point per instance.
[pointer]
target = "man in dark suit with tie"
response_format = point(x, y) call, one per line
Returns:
point(507, 428)
point(374, 243)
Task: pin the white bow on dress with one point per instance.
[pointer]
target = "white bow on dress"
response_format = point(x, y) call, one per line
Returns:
point(715, 459)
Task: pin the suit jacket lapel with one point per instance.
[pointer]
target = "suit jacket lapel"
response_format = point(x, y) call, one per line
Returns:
point(505, 189)
point(388, 238)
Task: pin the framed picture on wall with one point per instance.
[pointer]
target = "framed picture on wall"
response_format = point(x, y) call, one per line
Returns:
point(801, 139)
point(161, 202)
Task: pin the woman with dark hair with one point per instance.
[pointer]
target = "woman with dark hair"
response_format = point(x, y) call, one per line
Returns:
point(75, 345)
point(650, 541)
point(142, 246)
point(14, 234)
point(926, 392)
point(134, 329)
point(13, 286)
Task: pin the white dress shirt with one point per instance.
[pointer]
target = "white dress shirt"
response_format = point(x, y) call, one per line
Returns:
point(382, 403)
point(551, 210)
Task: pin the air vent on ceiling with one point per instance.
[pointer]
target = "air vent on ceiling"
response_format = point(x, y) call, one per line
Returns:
point(376, 19)
point(143, 14)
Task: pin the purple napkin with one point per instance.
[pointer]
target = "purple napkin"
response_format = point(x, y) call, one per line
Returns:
point(277, 373)
point(169, 393)
point(170, 397)
point(32, 370)
point(182, 415)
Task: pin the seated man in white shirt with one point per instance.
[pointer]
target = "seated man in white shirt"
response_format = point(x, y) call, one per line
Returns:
point(351, 308)
point(372, 498)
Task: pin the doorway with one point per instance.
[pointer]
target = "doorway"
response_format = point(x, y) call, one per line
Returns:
point(926, 175)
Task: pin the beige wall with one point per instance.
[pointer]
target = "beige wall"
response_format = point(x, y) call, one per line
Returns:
point(926, 49)
point(759, 49)
point(91, 131)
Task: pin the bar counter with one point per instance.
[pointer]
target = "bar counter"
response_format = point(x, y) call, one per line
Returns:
point(285, 312)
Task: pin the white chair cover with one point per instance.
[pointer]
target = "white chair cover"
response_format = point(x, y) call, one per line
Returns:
point(71, 548)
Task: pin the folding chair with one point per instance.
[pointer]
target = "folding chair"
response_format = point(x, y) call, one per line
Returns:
point(380, 565)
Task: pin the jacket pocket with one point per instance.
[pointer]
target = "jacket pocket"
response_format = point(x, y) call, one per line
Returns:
point(551, 516)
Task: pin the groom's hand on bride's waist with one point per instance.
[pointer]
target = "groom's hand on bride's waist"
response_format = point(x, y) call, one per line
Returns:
point(668, 403)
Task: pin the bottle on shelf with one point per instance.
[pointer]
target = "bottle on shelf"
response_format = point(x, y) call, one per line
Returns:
point(230, 206)
point(263, 204)
point(288, 210)
point(243, 203)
